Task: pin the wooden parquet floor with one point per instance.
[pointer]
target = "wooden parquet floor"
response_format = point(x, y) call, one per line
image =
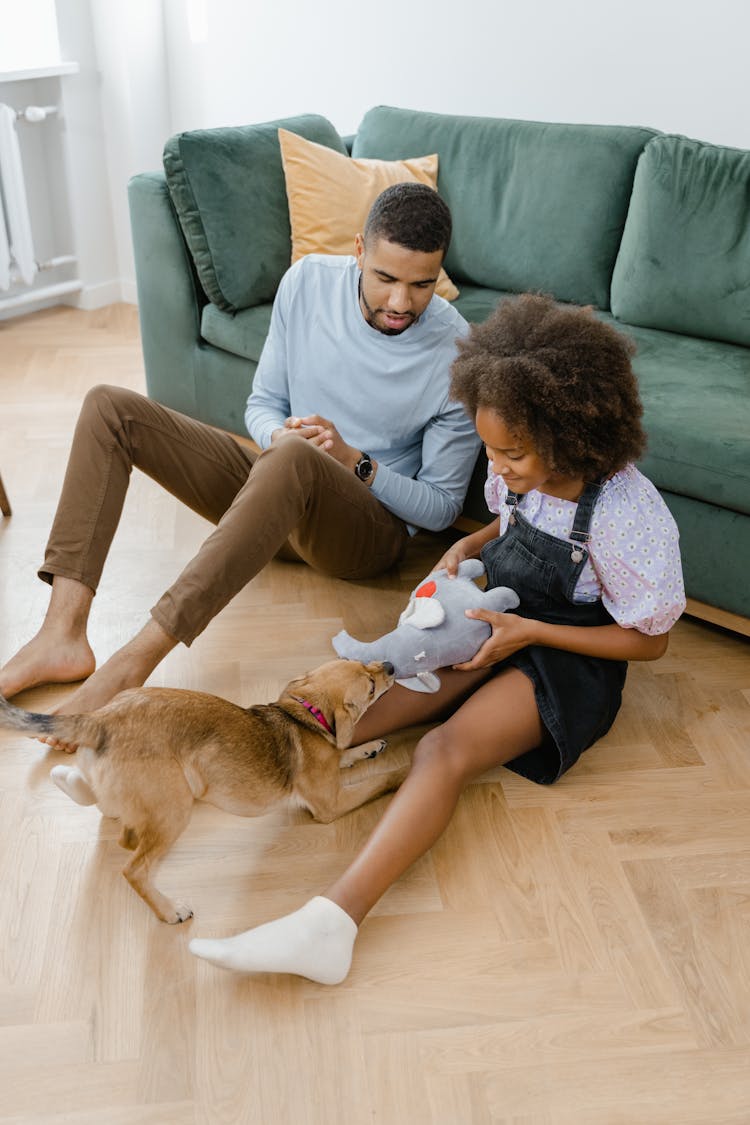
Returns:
point(574, 955)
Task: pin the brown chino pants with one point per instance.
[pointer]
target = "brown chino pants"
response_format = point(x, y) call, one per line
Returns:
point(291, 500)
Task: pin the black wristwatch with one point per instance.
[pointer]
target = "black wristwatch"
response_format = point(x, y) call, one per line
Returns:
point(364, 467)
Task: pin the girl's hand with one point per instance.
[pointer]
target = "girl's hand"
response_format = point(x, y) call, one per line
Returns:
point(455, 555)
point(509, 633)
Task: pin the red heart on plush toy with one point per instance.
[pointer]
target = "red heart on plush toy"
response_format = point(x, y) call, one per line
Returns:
point(426, 591)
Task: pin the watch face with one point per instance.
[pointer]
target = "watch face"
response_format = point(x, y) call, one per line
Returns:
point(364, 467)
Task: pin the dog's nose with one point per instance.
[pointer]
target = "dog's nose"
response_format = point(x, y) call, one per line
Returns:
point(388, 668)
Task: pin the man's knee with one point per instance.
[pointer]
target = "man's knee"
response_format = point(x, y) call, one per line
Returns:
point(109, 403)
point(295, 461)
point(293, 452)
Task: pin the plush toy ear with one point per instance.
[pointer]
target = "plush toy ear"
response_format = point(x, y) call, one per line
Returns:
point(470, 568)
point(500, 598)
point(423, 613)
point(423, 681)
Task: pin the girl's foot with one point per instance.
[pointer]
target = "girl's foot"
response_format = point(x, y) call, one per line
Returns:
point(315, 942)
point(74, 784)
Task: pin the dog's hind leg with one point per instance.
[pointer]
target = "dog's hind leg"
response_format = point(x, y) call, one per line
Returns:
point(153, 839)
point(128, 839)
point(74, 784)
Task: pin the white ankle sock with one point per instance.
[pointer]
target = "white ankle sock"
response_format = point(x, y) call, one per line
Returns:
point(315, 942)
point(72, 782)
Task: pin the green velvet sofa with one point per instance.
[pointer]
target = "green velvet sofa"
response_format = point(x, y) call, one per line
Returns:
point(653, 230)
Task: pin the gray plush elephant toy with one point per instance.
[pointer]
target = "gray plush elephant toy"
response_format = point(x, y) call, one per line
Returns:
point(433, 631)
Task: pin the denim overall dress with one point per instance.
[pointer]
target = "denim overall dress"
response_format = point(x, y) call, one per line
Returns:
point(578, 696)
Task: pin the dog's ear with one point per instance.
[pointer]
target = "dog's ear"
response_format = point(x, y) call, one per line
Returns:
point(352, 706)
point(346, 716)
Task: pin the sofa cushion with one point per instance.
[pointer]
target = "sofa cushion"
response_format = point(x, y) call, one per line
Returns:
point(684, 262)
point(535, 206)
point(330, 196)
point(696, 414)
point(476, 302)
point(243, 333)
point(227, 187)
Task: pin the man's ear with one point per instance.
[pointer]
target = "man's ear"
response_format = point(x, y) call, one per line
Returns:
point(359, 249)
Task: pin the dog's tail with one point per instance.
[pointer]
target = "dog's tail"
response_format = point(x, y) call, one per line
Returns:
point(84, 730)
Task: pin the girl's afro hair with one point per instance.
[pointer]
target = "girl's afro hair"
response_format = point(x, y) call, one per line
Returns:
point(559, 376)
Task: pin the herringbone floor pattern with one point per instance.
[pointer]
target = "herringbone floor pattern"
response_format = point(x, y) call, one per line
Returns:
point(578, 955)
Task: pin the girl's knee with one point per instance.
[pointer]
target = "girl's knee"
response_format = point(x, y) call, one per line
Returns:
point(436, 750)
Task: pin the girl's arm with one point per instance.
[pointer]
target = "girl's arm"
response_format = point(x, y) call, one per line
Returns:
point(467, 548)
point(610, 642)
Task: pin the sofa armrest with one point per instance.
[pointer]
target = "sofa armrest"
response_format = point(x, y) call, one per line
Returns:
point(170, 298)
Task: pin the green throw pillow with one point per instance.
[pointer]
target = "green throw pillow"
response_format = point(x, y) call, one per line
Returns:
point(684, 262)
point(227, 186)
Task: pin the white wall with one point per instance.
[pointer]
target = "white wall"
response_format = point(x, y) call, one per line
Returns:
point(677, 65)
point(150, 68)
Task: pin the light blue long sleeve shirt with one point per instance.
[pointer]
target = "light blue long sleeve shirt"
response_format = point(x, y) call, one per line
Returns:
point(387, 395)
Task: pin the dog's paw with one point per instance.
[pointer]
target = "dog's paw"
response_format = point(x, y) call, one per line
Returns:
point(362, 753)
point(182, 913)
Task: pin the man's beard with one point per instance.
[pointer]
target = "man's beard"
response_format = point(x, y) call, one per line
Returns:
point(371, 313)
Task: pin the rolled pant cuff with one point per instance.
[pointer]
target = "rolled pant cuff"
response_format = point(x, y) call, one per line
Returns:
point(179, 632)
point(48, 571)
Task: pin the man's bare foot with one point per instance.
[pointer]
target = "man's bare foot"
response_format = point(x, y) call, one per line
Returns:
point(114, 676)
point(51, 657)
point(129, 667)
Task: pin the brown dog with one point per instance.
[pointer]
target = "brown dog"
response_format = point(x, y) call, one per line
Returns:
point(147, 755)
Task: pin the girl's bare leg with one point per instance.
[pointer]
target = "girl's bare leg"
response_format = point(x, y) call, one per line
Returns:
point(497, 723)
point(401, 707)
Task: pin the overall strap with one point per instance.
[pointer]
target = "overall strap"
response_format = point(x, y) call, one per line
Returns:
point(584, 511)
point(513, 499)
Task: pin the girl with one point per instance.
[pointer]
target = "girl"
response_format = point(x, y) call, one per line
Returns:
point(591, 549)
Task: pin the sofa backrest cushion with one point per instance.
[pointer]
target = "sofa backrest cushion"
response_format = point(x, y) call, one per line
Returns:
point(684, 262)
point(535, 206)
point(227, 187)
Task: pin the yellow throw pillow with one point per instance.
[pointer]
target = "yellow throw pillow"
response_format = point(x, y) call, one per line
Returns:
point(330, 195)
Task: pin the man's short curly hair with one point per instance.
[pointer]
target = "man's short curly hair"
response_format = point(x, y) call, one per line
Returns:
point(558, 376)
point(412, 215)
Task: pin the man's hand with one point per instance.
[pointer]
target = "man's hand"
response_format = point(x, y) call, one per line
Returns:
point(329, 440)
point(296, 426)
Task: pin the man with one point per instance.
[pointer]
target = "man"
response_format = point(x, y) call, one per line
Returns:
point(360, 446)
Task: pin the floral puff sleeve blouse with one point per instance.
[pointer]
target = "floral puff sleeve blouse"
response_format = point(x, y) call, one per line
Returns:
point(634, 556)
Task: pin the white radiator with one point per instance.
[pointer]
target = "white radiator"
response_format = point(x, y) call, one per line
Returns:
point(18, 263)
point(17, 235)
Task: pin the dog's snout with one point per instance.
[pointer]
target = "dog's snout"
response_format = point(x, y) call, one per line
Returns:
point(388, 668)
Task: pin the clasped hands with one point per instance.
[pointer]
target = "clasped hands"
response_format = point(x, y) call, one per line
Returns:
point(322, 434)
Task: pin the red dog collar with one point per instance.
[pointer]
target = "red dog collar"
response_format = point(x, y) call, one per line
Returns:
point(314, 711)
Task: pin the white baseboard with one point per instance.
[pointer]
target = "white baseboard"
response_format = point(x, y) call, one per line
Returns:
point(89, 297)
point(105, 293)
